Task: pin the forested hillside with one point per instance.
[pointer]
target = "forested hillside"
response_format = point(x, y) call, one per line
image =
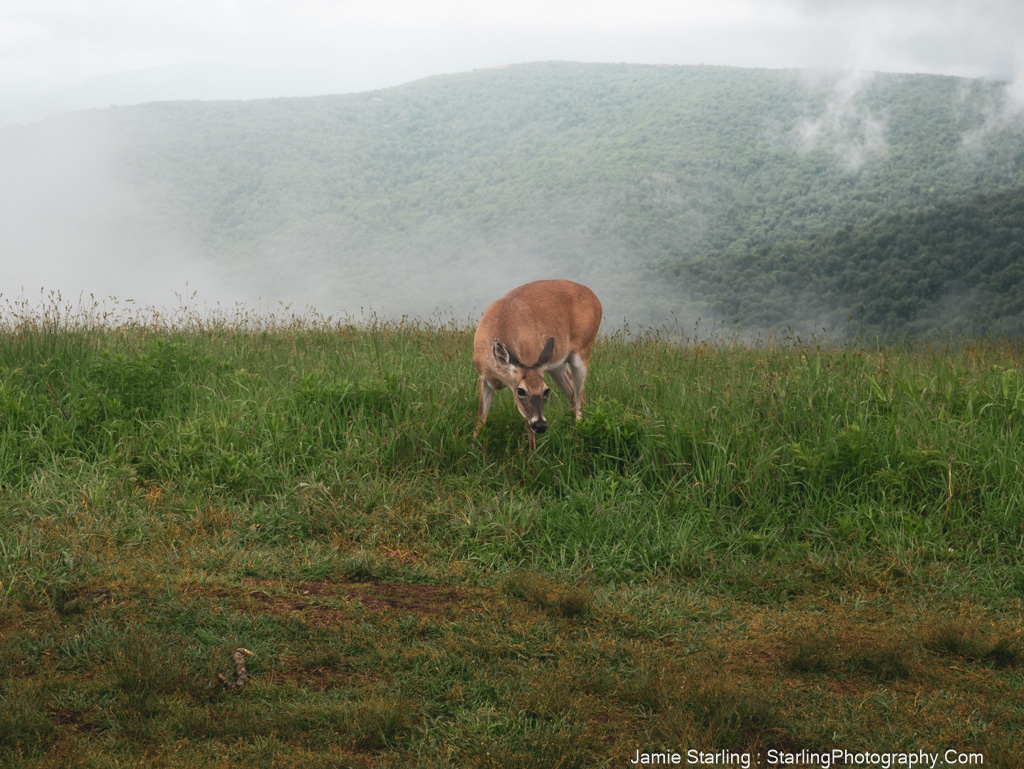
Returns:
point(443, 192)
point(957, 267)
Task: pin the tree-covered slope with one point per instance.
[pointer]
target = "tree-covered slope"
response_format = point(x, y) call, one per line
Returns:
point(441, 192)
point(958, 267)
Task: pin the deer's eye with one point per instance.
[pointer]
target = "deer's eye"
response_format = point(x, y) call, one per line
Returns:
point(547, 391)
point(521, 392)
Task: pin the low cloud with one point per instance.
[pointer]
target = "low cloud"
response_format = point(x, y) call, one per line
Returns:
point(1004, 110)
point(72, 226)
point(846, 126)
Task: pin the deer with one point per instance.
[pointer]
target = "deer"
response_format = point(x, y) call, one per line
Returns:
point(547, 326)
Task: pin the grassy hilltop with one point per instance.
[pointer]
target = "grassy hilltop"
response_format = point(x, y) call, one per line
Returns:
point(786, 544)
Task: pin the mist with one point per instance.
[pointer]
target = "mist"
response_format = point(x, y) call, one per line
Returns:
point(75, 226)
point(846, 127)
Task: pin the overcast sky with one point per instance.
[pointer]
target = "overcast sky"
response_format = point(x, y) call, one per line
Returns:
point(300, 47)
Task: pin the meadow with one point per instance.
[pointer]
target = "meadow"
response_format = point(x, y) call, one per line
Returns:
point(754, 550)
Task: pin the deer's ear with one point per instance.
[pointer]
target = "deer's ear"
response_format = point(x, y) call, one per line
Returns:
point(504, 356)
point(547, 352)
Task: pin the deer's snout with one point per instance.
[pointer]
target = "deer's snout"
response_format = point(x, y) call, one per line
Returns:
point(539, 426)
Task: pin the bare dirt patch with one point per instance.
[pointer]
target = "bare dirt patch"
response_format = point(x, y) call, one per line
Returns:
point(757, 657)
point(75, 720)
point(317, 602)
point(316, 678)
point(420, 599)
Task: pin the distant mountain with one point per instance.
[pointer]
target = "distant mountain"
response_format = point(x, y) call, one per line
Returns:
point(956, 268)
point(444, 192)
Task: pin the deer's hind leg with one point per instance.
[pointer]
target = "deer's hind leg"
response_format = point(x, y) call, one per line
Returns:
point(579, 376)
point(560, 376)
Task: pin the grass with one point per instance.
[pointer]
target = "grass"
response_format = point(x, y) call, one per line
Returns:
point(743, 546)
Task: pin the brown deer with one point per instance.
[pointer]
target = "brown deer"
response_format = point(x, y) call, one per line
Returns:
point(545, 326)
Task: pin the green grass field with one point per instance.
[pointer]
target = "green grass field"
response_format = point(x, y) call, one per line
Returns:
point(744, 549)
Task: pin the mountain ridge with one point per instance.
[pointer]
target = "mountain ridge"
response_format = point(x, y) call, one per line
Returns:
point(478, 181)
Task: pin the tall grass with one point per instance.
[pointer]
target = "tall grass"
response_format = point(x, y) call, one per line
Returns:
point(692, 459)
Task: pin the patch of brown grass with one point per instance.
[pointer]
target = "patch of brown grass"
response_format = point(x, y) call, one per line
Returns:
point(554, 596)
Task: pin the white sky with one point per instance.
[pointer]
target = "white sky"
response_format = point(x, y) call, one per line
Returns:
point(317, 45)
